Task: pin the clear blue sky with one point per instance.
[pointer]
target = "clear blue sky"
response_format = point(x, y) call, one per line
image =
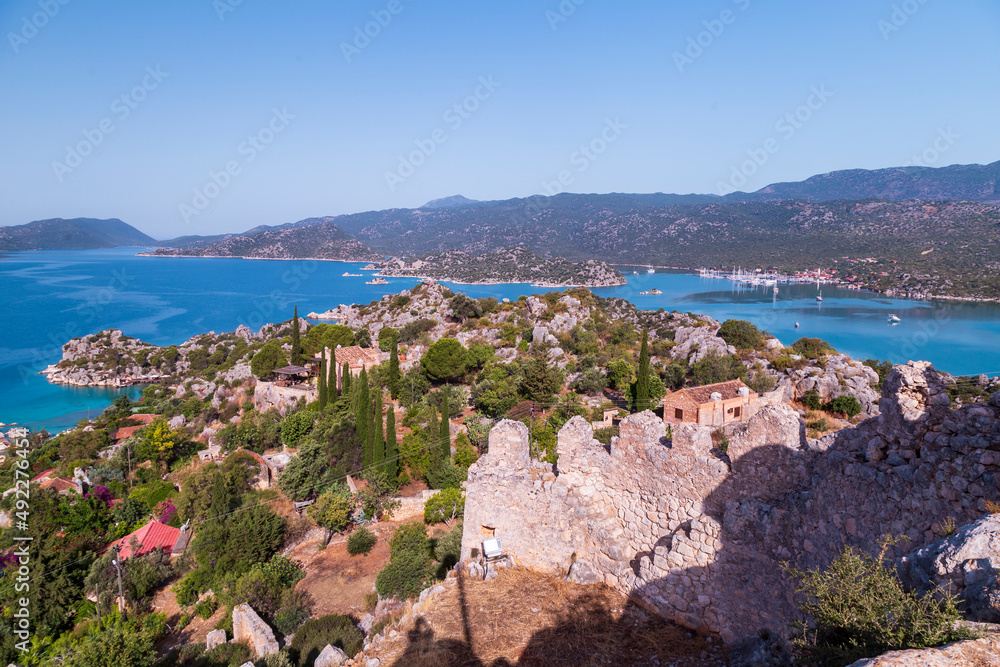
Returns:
point(684, 127)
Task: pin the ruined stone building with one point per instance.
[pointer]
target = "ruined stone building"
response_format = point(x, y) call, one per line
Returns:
point(711, 405)
point(701, 536)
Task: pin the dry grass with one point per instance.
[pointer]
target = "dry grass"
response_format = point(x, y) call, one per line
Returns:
point(526, 618)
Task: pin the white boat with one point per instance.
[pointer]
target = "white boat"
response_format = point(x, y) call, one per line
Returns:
point(892, 319)
point(796, 325)
point(651, 271)
point(819, 297)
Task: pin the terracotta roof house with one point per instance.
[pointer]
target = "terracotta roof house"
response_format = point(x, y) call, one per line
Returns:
point(356, 358)
point(129, 431)
point(711, 405)
point(62, 485)
point(154, 535)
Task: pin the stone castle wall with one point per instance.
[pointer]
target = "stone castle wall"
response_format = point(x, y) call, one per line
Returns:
point(701, 536)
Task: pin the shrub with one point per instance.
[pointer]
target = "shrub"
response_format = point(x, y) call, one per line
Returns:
point(741, 334)
point(818, 425)
point(812, 348)
point(857, 608)
point(448, 548)
point(361, 541)
point(227, 655)
point(206, 607)
point(332, 629)
point(848, 405)
point(811, 400)
point(408, 568)
point(717, 368)
point(783, 363)
point(444, 506)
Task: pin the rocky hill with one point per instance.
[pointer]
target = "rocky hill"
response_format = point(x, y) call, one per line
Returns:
point(324, 240)
point(510, 265)
point(74, 234)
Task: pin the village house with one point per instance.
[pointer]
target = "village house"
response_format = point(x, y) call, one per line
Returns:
point(711, 405)
point(356, 358)
point(125, 432)
point(154, 535)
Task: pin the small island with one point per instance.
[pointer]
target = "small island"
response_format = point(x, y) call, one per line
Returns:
point(510, 265)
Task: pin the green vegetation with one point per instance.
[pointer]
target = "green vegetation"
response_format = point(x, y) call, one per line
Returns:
point(314, 635)
point(361, 541)
point(409, 566)
point(446, 505)
point(268, 359)
point(741, 334)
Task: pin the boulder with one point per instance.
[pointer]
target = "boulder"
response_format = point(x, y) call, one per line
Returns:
point(330, 656)
point(975, 653)
point(995, 400)
point(696, 343)
point(965, 563)
point(250, 629)
point(215, 638)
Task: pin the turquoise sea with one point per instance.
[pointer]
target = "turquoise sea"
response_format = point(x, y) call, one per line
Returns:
point(52, 296)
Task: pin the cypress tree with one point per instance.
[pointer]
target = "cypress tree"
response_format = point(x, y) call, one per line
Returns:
point(332, 391)
point(322, 383)
point(394, 375)
point(445, 434)
point(296, 340)
point(433, 433)
point(364, 410)
point(345, 381)
point(642, 379)
point(379, 453)
point(391, 445)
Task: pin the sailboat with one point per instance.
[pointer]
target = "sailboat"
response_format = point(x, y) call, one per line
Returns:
point(819, 297)
point(892, 319)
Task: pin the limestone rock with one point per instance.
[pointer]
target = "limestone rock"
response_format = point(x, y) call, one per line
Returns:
point(330, 656)
point(697, 343)
point(581, 573)
point(995, 400)
point(966, 563)
point(250, 629)
point(215, 638)
point(177, 421)
point(975, 653)
point(508, 445)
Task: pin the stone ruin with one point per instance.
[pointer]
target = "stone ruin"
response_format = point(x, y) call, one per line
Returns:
point(250, 629)
point(701, 536)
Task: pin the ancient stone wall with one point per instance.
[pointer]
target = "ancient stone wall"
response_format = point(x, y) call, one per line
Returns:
point(250, 629)
point(700, 535)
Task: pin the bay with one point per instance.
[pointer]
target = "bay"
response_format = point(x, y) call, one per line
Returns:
point(52, 296)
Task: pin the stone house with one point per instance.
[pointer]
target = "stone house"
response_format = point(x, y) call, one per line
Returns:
point(154, 535)
point(356, 358)
point(711, 405)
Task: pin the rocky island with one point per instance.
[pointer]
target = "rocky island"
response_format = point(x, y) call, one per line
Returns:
point(510, 265)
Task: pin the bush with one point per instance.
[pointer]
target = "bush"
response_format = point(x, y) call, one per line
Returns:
point(227, 655)
point(812, 348)
point(448, 548)
point(334, 629)
point(741, 334)
point(811, 400)
point(409, 567)
point(206, 607)
point(845, 404)
point(444, 506)
point(857, 608)
point(718, 368)
point(361, 541)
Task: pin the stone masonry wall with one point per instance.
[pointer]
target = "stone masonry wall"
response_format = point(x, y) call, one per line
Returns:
point(700, 536)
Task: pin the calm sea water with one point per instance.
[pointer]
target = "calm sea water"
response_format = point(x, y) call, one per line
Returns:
point(52, 296)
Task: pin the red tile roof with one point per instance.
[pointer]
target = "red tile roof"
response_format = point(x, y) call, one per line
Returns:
point(355, 355)
point(43, 474)
point(702, 395)
point(154, 535)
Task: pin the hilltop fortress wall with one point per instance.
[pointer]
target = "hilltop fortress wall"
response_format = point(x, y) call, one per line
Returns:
point(701, 537)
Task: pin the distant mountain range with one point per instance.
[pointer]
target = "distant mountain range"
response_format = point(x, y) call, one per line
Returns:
point(74, 234)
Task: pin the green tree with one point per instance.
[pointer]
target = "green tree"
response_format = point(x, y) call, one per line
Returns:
point(621, 373)
point(642, 396)
point(540, 382)
point(446, 359)
point(267, 359)
point(378, 455)
point(297, 358)
point(741, 334)
point(388, 338)
point(391, 445)
point(322, 383)
point(393, 377)
point(364, 420)
point(445, 506)
point(345, 380)
point(338, 335)
point(444, 455)
point(363, 337)
point(117, 646)
point(333, 510)
point(718, 368)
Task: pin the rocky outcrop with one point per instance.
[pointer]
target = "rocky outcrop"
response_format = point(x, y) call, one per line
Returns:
point(215, 638)
point(702, 535)
point(974, 653)
point(268, 396)
point(838, 376)
point(965, 564)
point(330, 656)
point(696, 343)
point(248, 628)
